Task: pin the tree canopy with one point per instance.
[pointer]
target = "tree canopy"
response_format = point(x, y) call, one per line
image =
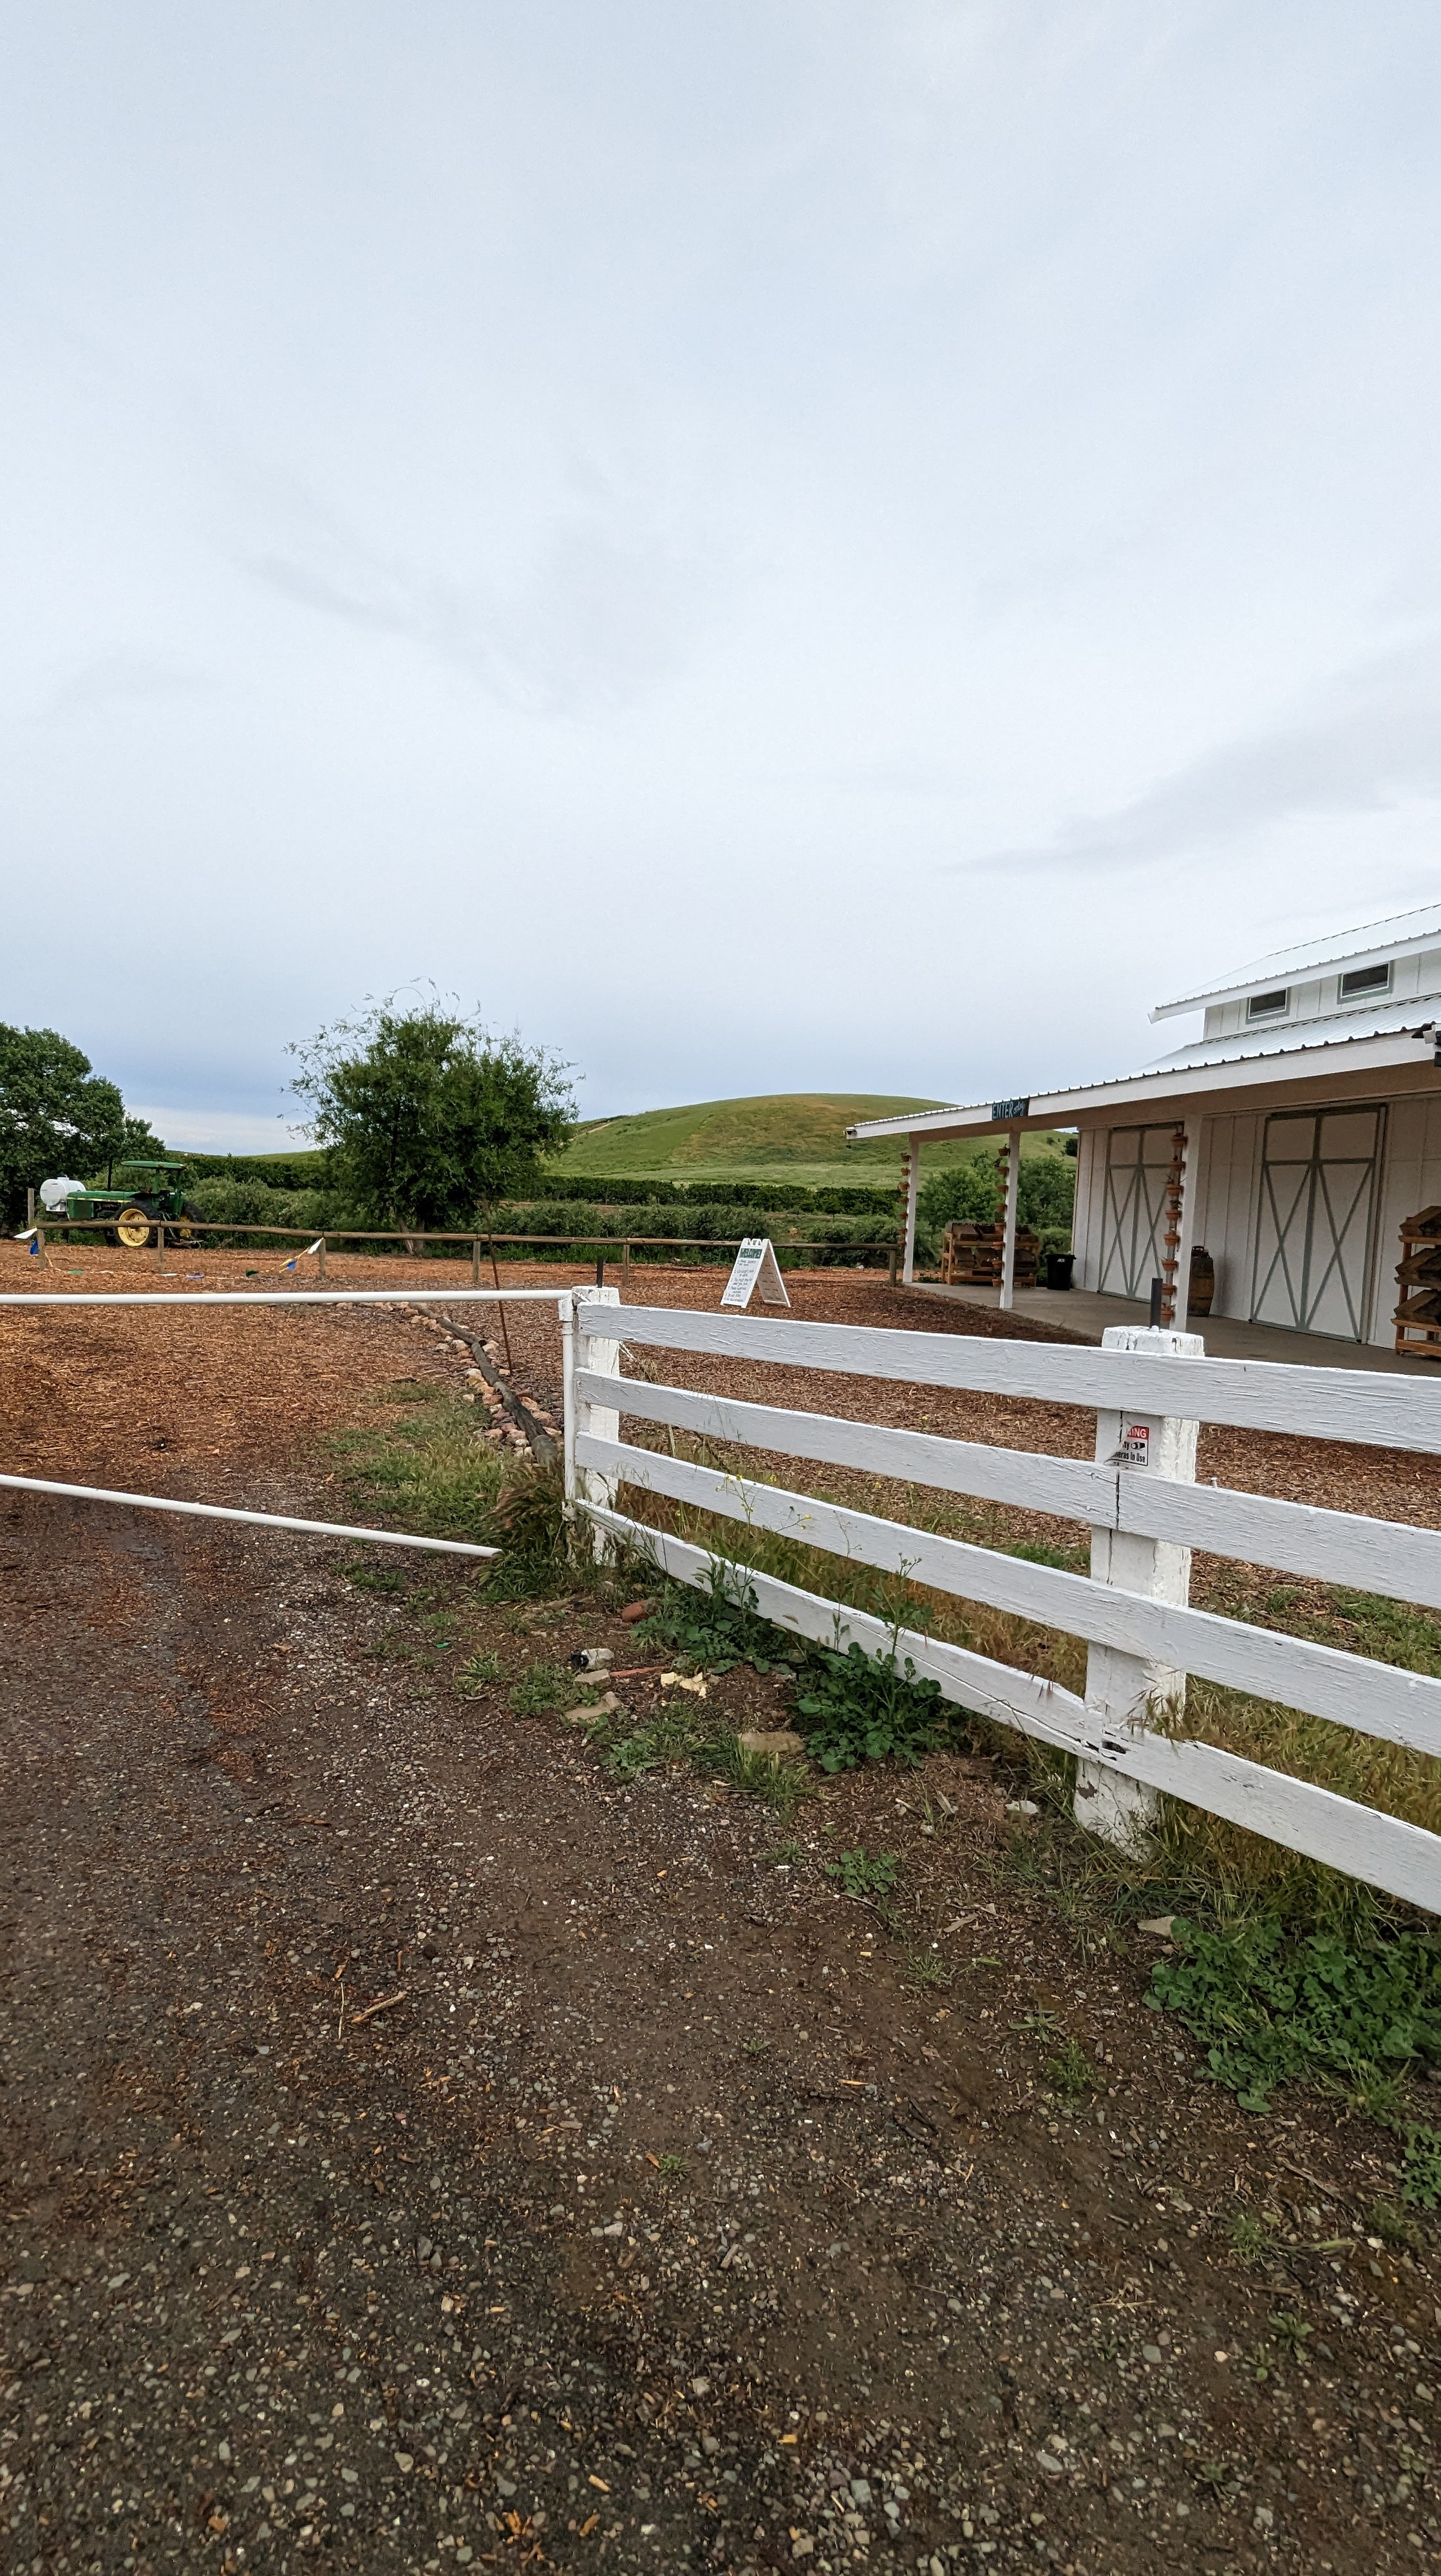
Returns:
point(428, 1118)
point(56, 1115)
point(1045, 1198)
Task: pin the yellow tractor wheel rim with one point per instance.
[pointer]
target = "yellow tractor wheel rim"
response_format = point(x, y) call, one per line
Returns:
point(133, 1227)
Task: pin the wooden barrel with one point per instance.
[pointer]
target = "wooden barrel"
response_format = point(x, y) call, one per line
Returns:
point(1203, 1280)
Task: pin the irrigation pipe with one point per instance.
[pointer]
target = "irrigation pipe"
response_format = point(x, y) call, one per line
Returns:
point(258, 1520)
point(282, 1296)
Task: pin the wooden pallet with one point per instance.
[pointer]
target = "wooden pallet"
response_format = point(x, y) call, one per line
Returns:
point(1423, 1341)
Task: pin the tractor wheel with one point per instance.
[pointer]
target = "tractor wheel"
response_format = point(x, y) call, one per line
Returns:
point(133, 1229)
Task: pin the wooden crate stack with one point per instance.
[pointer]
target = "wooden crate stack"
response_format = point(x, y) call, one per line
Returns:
point(971, 1255)
point(1418, 1275)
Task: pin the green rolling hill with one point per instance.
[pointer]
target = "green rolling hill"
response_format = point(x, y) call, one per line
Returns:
point(778, 1136)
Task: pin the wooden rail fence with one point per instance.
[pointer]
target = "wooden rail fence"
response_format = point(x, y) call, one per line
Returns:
point(1149, 1391)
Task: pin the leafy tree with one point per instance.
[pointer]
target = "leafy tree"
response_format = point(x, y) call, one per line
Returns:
point(427, 1118)
point(968, 1190)
point(56, 1115)
point(1045, 1198)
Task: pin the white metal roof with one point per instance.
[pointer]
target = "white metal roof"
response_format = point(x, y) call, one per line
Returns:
point(1371, 945)
point(1368, 1040)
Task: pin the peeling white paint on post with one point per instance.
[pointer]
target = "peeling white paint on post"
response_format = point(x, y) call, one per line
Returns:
point(598, 1358)
point(913, 1191)
point(1124, 1693)
point(1008, 1243)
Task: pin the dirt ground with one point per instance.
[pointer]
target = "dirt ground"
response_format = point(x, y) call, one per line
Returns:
point(422, 2150)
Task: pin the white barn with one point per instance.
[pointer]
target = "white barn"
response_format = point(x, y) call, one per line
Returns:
point(1291, 1137)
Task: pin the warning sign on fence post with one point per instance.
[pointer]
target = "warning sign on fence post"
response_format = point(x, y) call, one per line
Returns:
point(755, 1267)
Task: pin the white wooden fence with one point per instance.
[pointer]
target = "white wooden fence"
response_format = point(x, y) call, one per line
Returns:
point(1149, 1391)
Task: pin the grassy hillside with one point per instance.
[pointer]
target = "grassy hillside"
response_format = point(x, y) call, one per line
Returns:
point(787, 1136)
point(779, 1136)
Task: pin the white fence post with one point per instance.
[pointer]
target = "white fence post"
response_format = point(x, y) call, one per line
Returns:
point(1124, 1692)
point(602, 1358)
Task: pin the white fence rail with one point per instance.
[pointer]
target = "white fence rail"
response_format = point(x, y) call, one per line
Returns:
point(1132, 1609)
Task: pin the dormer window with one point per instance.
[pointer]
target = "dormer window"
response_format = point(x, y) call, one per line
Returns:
point(1365, 979)
point(1267, 1006)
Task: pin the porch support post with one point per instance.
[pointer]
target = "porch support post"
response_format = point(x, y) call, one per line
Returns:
point(1008, 1244)
point(1190, 1184)
point(913, 1191)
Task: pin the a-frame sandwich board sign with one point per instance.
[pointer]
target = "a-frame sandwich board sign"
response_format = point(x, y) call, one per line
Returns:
point(755, 1267)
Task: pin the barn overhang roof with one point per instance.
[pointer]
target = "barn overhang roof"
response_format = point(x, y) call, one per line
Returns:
point(1361, 1048)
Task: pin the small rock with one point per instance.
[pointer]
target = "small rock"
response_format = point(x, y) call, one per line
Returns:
point(1160, 1926)
point(1050, 2464)
point(636, 1610)
point(1151, 2352)
point(424, 2250)
point(505, 2486)
point(700, 2388)
point(404, 2462)
point(860, 2490)
point(802, 2545)
point(1022, 1807)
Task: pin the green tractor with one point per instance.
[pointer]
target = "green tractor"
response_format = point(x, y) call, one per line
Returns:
point(133, 1210)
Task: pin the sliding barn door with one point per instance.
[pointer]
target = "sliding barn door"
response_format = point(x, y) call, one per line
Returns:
point(1313, 1233)
point(1138, 1160)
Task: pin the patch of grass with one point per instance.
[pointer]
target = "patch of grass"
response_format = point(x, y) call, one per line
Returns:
point(672, 2167)
point(786, 1855)
point(542, 1690)
point(755, 2047)
point(1250, 2238)
point(477, 1675)
point(367, 1578)
point(928, 1970)
point(1071, 2071)
point(429, 1471)
point(754, 1775)
point(1391, 2224)
point(864, 1874)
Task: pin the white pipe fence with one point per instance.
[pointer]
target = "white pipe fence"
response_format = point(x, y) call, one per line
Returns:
point(1149, 1391)
point(274, 1297)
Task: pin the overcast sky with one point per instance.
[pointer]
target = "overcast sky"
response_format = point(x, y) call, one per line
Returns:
point(770, 544)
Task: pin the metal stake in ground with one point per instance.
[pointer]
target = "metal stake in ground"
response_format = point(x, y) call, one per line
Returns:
point(495, 1274)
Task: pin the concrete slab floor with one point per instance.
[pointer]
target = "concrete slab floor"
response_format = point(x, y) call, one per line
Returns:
point(1082, 1312)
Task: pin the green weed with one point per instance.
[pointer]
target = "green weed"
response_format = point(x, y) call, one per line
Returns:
point(1250, 2239)
point(926, 1969)
point(786, 1855)
point(541, 1690)
point(1269, 2011)
point(1071, 2071)
point(861, 1873)
point(477, 1675)
point(719, 1628)
point(866, 1708)
point(1391, 2224)
point(672, 2167)
point(1291, 2332)
point(1421, 2172)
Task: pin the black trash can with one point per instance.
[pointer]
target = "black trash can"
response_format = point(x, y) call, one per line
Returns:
point(1060, 1269)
